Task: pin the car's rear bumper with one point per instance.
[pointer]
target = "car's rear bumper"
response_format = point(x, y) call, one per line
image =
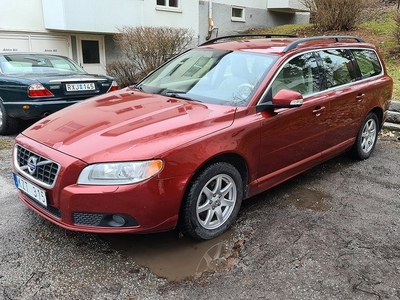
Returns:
point(32, 110)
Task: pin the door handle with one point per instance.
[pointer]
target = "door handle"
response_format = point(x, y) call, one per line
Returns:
point(360, 97)
point(318, 110)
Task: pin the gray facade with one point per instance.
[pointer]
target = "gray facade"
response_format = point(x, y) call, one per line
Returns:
point(253, 18)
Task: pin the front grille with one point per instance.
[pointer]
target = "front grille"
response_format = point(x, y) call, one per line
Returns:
point(36, 166)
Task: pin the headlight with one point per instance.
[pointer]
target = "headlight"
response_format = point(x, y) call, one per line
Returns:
point(119, 172)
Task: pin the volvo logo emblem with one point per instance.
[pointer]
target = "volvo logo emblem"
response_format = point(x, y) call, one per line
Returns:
point(32, 163)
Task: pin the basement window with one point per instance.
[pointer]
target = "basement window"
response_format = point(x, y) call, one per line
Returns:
point(172, 5)
point(238, 14)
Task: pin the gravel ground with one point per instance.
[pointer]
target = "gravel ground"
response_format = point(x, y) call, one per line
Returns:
point(330, 233)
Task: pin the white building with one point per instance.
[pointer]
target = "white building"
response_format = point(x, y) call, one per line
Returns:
point(83, 29)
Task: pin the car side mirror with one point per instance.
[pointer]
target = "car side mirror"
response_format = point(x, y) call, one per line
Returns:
point(283, 99)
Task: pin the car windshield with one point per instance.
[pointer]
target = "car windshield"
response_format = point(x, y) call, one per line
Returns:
point(38, 63)
point(210, 76)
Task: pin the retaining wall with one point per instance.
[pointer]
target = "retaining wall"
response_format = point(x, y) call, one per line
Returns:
point(393, 117)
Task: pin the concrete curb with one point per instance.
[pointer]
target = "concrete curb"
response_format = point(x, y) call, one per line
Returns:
point(391, 126)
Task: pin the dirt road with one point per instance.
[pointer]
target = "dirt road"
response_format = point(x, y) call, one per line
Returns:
point(330, 233)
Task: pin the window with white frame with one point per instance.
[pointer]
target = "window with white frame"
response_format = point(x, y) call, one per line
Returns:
point(168, 4)
point(238, 14)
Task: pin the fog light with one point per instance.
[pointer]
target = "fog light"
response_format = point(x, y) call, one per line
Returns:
point(25, 106)
point(117, 221)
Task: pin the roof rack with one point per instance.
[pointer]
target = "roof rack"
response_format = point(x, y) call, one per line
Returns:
point(265, 35)
point(338, 39)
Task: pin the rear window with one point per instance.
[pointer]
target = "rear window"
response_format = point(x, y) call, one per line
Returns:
point(37, 63)
point(368, 62)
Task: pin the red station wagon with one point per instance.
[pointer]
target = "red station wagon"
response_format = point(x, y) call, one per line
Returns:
point(213, 126)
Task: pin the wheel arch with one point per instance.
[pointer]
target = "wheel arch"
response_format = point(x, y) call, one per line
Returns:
point(232, 158)
point(379, 113)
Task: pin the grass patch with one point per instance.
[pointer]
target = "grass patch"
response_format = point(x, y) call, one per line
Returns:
point(384, 25)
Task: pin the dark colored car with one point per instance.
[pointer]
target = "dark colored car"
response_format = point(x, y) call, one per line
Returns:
point(33, 86)
point(213, 126)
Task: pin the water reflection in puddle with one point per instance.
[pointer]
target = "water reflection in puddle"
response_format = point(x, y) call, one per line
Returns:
point(308, 199)
point(172, 257)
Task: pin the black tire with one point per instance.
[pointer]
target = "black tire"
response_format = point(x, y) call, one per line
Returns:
point(212, 202)
point(8, 125)
point(366, 137)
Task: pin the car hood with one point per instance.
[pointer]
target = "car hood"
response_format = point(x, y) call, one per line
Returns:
point(126, 125)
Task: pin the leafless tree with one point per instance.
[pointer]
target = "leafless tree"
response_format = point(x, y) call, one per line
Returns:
point(146, 48)
point(335, 14)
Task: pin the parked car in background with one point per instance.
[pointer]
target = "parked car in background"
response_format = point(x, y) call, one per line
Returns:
point(34, 85)
point(213, 126)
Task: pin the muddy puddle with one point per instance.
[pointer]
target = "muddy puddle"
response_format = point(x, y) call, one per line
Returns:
point(307, 199)
point(174, 257)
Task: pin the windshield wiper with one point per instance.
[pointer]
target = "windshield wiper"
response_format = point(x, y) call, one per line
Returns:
point(179, 95)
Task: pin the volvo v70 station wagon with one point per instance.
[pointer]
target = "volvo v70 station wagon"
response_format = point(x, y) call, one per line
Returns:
point(209, 128)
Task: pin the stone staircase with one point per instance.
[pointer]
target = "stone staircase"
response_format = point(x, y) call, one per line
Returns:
point(393, 117)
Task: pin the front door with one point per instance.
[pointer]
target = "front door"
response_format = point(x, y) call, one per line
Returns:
point(293, 139)
point(91, 54)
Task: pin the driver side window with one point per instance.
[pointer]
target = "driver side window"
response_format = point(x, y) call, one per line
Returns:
point(300, 74)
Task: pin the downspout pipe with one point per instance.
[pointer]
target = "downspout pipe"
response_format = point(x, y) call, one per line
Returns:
point(210, 20)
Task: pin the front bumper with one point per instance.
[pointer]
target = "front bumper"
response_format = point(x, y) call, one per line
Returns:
point(149, 206)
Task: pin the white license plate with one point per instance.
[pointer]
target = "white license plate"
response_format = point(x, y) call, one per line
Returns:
point(32, 190)
point(71, 87)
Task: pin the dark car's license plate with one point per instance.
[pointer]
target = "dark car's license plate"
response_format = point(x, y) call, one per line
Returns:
point(71, 87)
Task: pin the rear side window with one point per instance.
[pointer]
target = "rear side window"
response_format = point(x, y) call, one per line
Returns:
point(339, 68)
point(368, 62)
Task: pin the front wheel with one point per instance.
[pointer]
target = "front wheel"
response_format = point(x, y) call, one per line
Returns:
point(366, 137)
point(212, 202)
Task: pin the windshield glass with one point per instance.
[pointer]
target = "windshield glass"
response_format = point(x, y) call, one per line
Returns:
point(210, 76)
point(38, 63)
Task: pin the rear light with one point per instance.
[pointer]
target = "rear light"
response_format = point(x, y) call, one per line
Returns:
point(113, 87)
point(38, 90)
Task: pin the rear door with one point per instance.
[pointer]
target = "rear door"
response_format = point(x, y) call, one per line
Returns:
point(346, 97)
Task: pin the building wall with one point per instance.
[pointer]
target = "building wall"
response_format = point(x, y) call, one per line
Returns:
point(20, 15)
point(70, 20)
point(255, 17)
point(187, 16)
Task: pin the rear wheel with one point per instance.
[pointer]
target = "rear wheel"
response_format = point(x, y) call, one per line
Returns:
point(8, 125)
point(366, 137)
point(212, 203)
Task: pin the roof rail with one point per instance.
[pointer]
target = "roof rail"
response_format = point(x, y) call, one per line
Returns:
point(265, 35)
point(337, 38)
